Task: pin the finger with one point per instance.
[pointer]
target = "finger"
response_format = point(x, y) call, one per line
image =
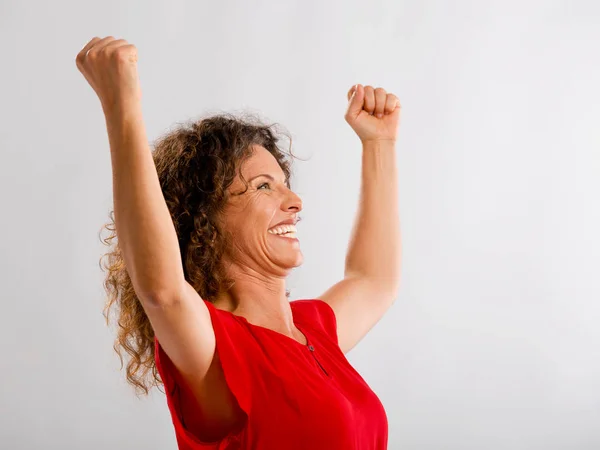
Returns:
point(116, 44)
point(351, 91)
point(369, 104)
point(391, 103)
point(81, 55)
point(99, 45)
point(395, 114)
point(380, 99)
point(356, 100)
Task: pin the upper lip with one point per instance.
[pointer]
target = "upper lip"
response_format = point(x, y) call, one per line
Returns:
point(287, 222)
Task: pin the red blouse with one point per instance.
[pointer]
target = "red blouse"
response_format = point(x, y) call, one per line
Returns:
point(296, 396)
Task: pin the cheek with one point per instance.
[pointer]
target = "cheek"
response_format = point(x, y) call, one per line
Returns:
point(264, 212)
point(252, 219)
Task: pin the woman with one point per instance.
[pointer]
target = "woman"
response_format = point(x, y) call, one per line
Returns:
point(206, 237)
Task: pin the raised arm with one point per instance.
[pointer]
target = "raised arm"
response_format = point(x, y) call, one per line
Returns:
point(145, 229)
point(146, 233)
point(372, 271)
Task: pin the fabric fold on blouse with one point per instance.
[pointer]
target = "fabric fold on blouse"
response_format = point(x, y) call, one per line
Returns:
point(295, 396)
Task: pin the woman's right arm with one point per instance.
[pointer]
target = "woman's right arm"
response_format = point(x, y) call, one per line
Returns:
point(145, 231)
point(148, 241)
point(179, 317)
point(150, 247)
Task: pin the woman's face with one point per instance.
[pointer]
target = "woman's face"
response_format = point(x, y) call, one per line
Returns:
point(248, 217)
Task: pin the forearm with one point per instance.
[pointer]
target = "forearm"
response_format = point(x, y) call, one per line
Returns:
point(375, 248)
point(145, 231)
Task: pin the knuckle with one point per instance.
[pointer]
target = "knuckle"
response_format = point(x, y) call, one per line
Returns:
point(122, 53)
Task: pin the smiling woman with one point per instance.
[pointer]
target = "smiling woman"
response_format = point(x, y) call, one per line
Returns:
point(206, 227)
point(253, 211)
point(196, 166)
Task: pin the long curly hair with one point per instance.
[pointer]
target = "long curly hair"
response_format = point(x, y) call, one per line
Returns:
point(196, 163)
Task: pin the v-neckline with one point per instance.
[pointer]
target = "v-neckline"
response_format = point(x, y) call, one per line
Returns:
point(278, 333)
point(308, 342)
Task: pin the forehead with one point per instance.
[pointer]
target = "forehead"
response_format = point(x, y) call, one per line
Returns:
point(261, 162)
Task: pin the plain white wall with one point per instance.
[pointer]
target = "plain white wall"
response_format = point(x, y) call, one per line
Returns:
point(493, 342)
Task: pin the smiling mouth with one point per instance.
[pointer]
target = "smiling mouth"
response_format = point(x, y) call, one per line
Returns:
point(288, 235)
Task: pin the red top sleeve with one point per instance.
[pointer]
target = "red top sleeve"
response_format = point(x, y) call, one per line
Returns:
point(235, 369)
point(296, 395)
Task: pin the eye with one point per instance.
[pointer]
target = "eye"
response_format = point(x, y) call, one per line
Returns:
point(264, 184)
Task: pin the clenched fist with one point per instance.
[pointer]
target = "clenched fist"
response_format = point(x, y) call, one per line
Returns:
point(373, 114)
point(110, 67)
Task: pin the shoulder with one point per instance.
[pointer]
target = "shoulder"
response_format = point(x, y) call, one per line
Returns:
point(316, 314)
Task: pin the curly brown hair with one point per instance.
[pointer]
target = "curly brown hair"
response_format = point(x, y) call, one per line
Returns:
point(196, 163)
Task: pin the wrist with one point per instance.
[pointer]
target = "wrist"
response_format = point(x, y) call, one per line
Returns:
point(120, 107)
point(121, 113)
point(378, 144)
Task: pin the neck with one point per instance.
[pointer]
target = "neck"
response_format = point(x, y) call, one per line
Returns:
point(258, 298)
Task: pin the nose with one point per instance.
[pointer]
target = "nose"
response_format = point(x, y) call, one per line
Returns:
point(292, 201)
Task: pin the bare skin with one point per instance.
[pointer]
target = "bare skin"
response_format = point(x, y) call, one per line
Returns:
point(259, 262)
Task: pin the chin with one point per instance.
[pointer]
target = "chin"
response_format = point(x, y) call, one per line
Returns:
point(297, 262)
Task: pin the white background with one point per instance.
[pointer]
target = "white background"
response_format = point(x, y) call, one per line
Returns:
point(494, 340)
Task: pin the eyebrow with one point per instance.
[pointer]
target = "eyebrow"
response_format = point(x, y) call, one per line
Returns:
point(266, 175)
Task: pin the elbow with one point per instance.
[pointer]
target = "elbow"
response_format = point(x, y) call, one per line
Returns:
point(386, 284)
point(163, 297)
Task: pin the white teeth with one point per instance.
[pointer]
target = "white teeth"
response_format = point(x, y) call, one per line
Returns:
point(283, 229)
point(291, 235)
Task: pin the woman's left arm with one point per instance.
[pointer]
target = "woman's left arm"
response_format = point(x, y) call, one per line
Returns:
point(374, 250)
point(372, 269)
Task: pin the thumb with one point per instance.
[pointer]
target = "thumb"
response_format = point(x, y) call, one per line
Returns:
point(356, 100)
point(396, 112)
